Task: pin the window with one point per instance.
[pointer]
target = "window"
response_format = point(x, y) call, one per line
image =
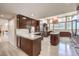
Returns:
point(62, 26)
point(74, 17)
point(74, 24)
point(77, 28)
point(69, 18)
point(56, 26)
point(51, 26)
point(68, 25)
point(41, 27)
point(78, 17)
point(74, 27)
point(62, 19)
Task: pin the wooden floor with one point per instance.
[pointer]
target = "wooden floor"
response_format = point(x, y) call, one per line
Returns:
point(6, 49)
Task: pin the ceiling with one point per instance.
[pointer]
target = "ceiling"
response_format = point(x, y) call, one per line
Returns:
point(2, 22)
point(36, 10)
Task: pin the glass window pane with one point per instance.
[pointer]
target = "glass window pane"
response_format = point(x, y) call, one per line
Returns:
point(51, 26)
point(41, 27)
point(77, 17)
point(74, 27)
point(77, 28)
point(74, 17)
point(74, 24)
point(62, 26)
point(62, 19)
point(56, 26)
point(68, 24)
point(69, 18)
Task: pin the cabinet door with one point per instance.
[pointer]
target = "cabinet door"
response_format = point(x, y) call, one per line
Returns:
point(54, 39)
point(33, 22)
point(17, 22)
point(18, 41)
point(37, 23)
point(28, 21)
point(27, 46)
point(22, 23)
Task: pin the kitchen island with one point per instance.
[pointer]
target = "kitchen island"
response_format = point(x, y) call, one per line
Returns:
point(29, 43)
point(54, 38)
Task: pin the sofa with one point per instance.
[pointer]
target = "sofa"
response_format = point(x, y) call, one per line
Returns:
point(65, 34)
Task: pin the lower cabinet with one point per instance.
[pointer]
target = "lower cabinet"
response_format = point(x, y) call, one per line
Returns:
point(54, 39)
point(30, 47)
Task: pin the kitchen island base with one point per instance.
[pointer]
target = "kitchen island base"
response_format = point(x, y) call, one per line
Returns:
point(30, 47)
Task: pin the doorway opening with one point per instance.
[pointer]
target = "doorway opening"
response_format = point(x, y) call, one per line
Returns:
point(4, 30)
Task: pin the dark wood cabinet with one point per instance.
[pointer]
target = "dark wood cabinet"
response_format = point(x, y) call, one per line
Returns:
point(28, 21)
point(23, 22)
point(30, 47)
point(34, 23)
point(54, 39)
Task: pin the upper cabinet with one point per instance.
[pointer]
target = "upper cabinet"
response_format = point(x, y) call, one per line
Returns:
point(24, 22)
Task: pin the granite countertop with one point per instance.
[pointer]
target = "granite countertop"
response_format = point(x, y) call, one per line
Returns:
point(54, 33)
point(31, 36)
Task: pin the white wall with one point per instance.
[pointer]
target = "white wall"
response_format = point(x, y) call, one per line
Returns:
point(12, 33)
point(11, 30)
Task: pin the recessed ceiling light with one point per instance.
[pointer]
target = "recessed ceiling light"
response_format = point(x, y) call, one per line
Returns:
point(32, 14)
point(1, 15)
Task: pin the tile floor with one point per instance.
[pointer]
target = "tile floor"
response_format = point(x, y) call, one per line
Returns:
point(6, 49)
point(64, 48)
point(4, 37)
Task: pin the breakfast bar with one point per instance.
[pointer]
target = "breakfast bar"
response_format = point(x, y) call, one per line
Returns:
point(29, 43)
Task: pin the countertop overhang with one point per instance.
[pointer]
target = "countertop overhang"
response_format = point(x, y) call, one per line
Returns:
point(31, 36)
